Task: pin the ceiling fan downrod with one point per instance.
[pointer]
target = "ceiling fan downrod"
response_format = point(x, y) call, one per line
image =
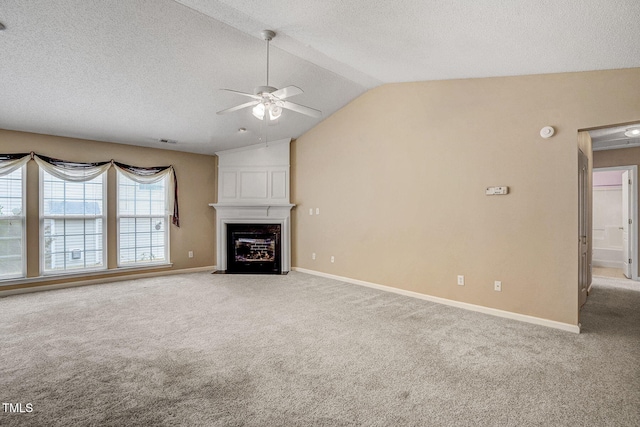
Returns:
point(268, 35)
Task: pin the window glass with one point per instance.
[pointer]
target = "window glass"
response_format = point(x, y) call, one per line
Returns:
point(142, 222)
point(73, 224)
point(12, 225)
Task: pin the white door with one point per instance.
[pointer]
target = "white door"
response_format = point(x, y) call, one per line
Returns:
point(626, 224)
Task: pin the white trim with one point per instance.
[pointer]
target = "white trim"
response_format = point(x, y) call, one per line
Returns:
point(466, 306)
point(24, 221)
point(76, 274)
point(244, 214)
point(253, 146)
point(103, 280)
point(633, 170)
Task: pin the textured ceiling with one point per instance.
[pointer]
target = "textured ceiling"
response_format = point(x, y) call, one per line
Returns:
point(137, 71)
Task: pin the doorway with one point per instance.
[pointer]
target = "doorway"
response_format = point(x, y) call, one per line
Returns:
point(615, 210)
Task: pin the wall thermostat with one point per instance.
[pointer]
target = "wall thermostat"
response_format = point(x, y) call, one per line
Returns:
point(547, 132)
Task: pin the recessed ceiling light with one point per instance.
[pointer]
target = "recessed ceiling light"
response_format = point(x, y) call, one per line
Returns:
point(632, 132)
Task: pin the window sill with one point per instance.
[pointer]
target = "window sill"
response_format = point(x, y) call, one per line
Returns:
point(56, 277)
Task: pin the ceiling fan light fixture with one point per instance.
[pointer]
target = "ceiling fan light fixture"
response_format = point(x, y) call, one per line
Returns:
point(274, 112)
point(631, 133)
point(258, 111)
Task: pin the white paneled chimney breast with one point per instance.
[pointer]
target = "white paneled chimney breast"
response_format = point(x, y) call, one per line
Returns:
point(253, 188)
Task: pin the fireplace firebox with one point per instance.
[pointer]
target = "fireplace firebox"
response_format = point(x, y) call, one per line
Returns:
point(254, 248)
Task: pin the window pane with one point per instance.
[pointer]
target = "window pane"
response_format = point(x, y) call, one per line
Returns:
point(127, 225)
point(127, 240)
point(143, 207)
point(127, 256)
point(73, 224)
point(11, 263)
point(157, 253)
point(11, 194)
point(127, 207)
point(11, 225)
point(142, 211)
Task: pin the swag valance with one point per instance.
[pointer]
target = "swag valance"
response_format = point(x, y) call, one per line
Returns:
point(80, 172)
point(12, 162)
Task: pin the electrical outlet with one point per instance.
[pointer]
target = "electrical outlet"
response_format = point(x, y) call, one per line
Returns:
point(333, 259)
point(190, 254)
point(461, 280)
point(497, 286)
point(313, 255)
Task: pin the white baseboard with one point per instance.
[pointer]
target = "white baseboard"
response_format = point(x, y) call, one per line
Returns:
point(103, 280)
point(472, 307)
point(607, 264)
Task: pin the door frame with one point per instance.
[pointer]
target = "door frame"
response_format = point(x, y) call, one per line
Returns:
point(585, 227)
point(633, 202)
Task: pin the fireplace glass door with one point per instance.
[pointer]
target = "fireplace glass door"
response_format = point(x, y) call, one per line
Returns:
point(253, 248)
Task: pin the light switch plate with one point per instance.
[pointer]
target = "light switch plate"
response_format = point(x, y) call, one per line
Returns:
point(497, 191)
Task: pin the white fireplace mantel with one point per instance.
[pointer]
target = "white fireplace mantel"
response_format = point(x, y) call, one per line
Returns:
point(253, 214)
point(253, 188)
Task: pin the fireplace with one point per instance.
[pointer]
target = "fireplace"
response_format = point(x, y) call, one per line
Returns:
point(254, 248)
point(253, 213)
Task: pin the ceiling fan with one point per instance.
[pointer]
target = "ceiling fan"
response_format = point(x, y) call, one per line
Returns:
point(269, 101)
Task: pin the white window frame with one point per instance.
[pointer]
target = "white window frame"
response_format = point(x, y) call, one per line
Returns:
point(23, 219)
point(165, 217)
point(104, 266)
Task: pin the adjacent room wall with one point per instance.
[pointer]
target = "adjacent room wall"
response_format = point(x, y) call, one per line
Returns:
point(399, 176)
point(607, 219)
point(619, 157)
point(196, 175)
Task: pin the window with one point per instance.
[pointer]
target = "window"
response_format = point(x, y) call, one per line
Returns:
point(73, 221)
point(142, 222)
point(12, 225)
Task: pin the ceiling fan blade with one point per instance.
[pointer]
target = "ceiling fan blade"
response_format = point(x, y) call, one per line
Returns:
point(287, 92)
point(250, 95)
point(239, 107)
point(302, 109)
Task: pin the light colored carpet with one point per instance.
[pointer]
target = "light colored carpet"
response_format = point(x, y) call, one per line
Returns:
point(233, 350)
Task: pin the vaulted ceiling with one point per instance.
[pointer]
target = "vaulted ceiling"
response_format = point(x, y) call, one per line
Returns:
point(139, 71)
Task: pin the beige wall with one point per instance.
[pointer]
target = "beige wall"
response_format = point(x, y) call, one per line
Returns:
point(399, 176)
point(196, 175)
point(620, 157)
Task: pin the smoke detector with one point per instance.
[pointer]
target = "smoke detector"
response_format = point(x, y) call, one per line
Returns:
point(547, 132)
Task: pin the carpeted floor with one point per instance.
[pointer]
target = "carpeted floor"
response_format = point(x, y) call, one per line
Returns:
point(299, 350)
